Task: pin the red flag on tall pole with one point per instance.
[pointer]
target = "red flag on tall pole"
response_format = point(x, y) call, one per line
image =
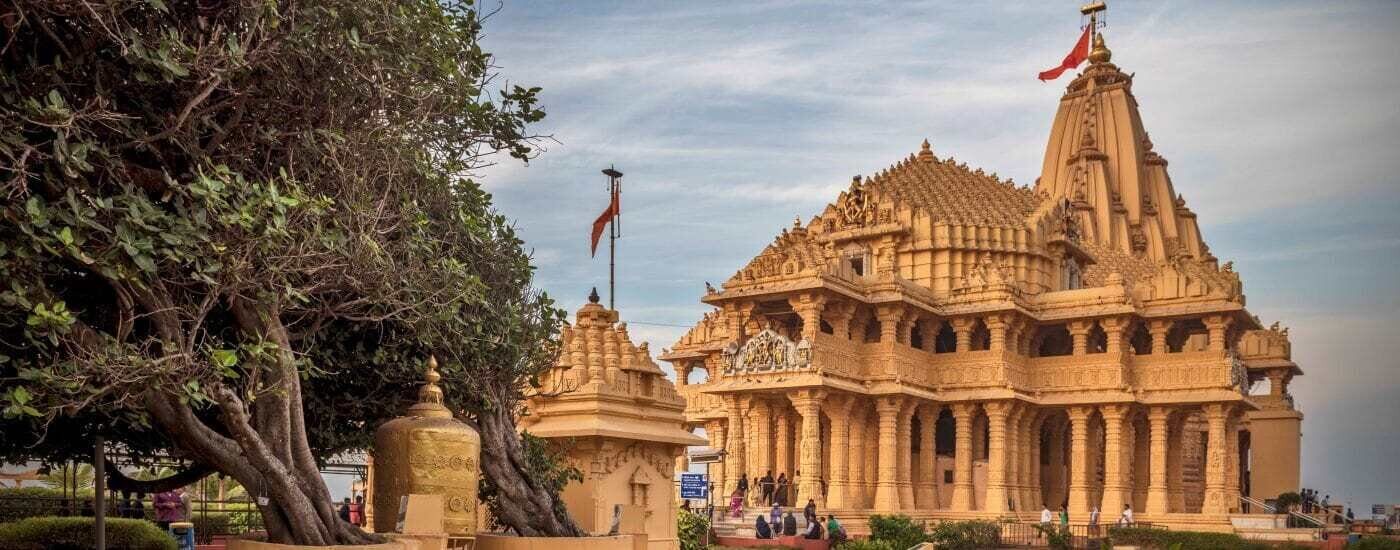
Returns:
point(1075, 57)
point(602, 222)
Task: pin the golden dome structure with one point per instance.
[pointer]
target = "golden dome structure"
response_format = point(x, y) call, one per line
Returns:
point(1100, 53)
point(427, 451)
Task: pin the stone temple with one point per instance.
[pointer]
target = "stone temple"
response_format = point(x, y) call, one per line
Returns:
point(943, 343)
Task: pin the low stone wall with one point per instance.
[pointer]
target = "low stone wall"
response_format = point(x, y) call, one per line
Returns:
point(239, 544)
point(504, 542)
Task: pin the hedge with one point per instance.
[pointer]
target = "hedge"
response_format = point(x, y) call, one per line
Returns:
point(1162, 539)
point(1375, 543)
point(79, 534)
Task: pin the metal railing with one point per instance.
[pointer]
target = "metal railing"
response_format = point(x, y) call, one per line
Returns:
point(1081, 536)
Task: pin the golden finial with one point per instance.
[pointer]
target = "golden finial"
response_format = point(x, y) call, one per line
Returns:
point(430, 395)
point(1100, 53)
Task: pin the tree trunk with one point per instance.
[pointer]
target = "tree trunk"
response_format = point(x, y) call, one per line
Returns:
point(528, 506)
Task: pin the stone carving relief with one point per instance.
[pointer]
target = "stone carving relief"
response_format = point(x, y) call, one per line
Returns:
point(766, 352)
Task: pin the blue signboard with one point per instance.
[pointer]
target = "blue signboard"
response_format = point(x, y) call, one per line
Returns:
point(694, 486)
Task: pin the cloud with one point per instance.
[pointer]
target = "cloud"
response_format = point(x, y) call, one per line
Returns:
point(1280, 121)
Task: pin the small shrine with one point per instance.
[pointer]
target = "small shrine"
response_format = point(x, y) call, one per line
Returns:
point(621, 421)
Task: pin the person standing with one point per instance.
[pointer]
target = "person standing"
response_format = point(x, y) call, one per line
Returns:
point(780, 493)
point(834, 532)
point(1046, 520)
point(357, 511)
point(1094, 521)
point(743, 485)
point(765, 487)
point(1064, 517)
point(1126, 519)
point(169, 508)
point(809, 512)
point(344, 511)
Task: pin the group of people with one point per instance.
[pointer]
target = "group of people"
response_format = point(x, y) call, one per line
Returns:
point(354, 512)
point(170, 506)
point(1047, 518)
point(780, 523)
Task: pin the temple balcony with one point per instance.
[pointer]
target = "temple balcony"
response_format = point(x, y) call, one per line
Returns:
point(1192, 370)
point(1094, 371)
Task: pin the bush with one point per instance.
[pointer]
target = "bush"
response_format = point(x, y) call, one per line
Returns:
point(27, 502)
point(867, 544)
point(1057, 537)
point(691, 529)
point(966, 535)
point(1162, 539)
point(897, 530)
point(1287, 500)
point(1375, 543)
point(78, 534)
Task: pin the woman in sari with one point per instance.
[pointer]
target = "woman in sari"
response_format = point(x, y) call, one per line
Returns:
point(736, 504)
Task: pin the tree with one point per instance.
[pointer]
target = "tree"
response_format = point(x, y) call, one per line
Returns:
point(220, 215)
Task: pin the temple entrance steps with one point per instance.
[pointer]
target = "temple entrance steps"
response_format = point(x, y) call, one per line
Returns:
point(726, 526)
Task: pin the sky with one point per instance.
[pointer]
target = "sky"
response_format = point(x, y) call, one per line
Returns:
point(1281, 121)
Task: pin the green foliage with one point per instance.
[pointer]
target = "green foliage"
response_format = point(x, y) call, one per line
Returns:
point(965, 535)
point(545, 462)
point(867, 544)
point(1375, 543)
point(1057, 537)
point(691, 529)
point(77, 533)
point(1163, 539)
point(898, 530)
point(1287, 500)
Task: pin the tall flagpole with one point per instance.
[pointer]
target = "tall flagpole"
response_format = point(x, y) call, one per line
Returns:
point(1092, 10)
point(614, 231)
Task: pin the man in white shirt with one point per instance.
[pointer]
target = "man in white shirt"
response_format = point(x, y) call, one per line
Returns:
point(1127, 518)
point(1094, 521)
point(1045, 519)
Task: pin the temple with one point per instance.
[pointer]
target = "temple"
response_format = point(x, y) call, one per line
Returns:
point(941, 342)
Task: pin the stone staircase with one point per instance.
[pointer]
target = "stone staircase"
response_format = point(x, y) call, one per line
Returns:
point(725, 526)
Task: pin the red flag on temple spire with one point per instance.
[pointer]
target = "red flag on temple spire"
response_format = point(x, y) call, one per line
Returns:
point(602, 222)
point(1075, 57)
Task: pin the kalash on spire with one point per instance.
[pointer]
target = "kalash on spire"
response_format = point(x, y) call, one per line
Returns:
point(1076, 342)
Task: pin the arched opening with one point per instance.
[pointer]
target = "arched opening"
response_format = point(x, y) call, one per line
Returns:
point(1187, 335)
point(698, 374)
point(1141, 340)
point(826, 327)
point(947, 340)
point(916, 335)
point(872, 331)
point(1054, 340)
point(981, 337)
point(1098, 339)
point(945, 440)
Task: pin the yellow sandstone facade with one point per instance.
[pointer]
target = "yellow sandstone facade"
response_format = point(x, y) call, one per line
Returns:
point(620, 421)
point(944, 343)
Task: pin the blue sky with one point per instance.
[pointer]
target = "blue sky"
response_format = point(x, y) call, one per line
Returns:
point(1281, 121)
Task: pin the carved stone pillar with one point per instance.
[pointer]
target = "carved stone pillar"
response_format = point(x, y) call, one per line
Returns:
point(839, 315)
point(997, 412)
point(682, 375)
point(763, 438)
point(1014, 450)
point(1176, 454)
point(1157, 480)
point(1116, 491)
point(1079, 485)
point(926, 487)
point(1159, 329)
point(962, 457)
point(1232, 462)
point(808, 404)
point(886, 485)
point(1079, 333)
point(1217, 325)
point(715, 430)
point(809, 307)
point(962, 328)
point(906, 454)
point(889, 316)
point(838, 409)
point(734, 465)
point(1037, 499)
point(783, 453)
point(857, 464)
point(1117, 330)
point(998, 328)
point(1030, 460)
point(1215, 501)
